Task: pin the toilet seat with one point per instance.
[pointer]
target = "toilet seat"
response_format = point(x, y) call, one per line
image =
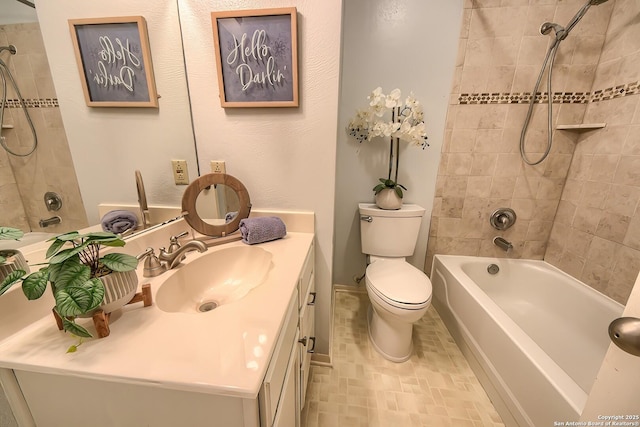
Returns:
point(399, 284)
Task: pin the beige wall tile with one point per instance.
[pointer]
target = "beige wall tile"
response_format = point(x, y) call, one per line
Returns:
point(628, 172)
point(632, 236)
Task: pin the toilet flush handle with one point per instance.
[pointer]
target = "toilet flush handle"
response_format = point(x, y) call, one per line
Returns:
point(366, 218)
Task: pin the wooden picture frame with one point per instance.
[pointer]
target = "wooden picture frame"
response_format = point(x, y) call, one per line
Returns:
point(257, 57)
point(114, 61)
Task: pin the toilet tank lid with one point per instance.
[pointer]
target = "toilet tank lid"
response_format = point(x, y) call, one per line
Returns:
point(406, 211)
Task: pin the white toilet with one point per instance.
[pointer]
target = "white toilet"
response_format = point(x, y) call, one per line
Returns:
point(399, 292)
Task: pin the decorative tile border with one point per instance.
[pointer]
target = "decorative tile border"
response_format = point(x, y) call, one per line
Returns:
point(33, 103)
point(558, 97)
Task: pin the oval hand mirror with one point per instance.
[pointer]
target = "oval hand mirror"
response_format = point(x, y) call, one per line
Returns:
point(215, 203)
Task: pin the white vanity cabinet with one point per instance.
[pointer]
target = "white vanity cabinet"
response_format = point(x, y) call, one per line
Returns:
point(160, 369)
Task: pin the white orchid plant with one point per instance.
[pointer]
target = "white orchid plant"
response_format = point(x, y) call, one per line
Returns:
point(406, 123)
point(407, 119)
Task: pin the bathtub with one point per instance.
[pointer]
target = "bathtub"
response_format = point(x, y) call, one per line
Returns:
point(27, 239)
point(534, 336)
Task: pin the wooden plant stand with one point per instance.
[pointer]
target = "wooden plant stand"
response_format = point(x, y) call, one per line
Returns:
point(101, 319)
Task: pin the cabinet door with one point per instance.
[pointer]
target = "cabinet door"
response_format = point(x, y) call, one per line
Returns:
point(275, 378)
point(288, 412)
point(308, 341)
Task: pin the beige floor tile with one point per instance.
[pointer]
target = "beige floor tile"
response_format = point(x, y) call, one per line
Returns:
point(435, 387)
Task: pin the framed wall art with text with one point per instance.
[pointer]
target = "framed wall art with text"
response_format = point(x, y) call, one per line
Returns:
point(114, 61)
point(257, 57)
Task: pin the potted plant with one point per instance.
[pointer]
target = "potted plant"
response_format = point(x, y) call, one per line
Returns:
point(407, 124)
point(79, 276)
point(388, 194)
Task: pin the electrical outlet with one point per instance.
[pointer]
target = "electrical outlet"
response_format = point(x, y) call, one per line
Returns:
point(180, 172)
point(218, 166)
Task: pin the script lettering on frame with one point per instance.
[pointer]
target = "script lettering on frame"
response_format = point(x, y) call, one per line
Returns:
point(257, 58)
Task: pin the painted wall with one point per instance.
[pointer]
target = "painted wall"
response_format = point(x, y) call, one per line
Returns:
point(109, 144)
point(284, 156)
point(408, 45)
point(14, 12)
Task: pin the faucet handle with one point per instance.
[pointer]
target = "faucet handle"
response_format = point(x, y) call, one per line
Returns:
point(184, 233)
point(152, 265)
point(174, 245)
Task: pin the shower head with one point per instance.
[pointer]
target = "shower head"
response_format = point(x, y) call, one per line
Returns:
point(548, 26)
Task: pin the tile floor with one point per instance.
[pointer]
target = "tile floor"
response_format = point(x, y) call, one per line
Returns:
point(436, 387)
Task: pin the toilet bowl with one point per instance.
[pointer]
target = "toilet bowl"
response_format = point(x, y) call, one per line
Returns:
point(400, 293)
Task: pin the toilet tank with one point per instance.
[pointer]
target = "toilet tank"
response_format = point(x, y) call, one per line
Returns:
point(390, 233)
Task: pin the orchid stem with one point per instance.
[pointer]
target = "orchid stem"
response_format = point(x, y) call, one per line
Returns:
point(397, 158)
point(393, 119)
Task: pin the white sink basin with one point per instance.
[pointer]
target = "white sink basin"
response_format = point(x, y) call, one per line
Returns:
point(213, 279)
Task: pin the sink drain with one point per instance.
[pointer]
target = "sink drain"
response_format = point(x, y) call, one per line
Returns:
point(207, 306)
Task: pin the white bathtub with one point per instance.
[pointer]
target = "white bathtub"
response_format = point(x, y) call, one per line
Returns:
point(534, 335)
point(27, 239)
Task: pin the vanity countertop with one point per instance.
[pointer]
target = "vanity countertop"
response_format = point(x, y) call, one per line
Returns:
point(225, 351)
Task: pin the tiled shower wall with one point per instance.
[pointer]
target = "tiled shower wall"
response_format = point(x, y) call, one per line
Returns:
point(596, 235)
point(24, 180)
point(500, 54)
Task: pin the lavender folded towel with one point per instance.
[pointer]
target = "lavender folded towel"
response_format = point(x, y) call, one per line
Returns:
point(119, 221)
point(262, 229)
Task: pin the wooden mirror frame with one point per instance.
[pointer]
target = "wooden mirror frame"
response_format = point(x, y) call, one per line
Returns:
point(191, 195)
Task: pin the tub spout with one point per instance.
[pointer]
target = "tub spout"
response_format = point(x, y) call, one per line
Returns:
point(502, 243)
point(50, 221)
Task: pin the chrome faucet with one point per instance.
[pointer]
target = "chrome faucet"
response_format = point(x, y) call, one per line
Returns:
point(502, 244)
point(172, 259)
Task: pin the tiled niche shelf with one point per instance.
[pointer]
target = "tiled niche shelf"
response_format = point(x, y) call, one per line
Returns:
point(582, 127)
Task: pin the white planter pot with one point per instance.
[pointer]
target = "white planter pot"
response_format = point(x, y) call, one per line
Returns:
point(14, 261)
point(388, 199)
point(119, 289)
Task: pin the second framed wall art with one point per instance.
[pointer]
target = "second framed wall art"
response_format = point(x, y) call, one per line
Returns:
point(257, 58)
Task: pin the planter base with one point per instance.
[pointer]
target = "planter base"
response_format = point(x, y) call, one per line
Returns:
point(101, 319)
point(388, 199)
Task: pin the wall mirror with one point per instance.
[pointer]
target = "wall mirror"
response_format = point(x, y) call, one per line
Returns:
point(215, 203)
point(84, 162)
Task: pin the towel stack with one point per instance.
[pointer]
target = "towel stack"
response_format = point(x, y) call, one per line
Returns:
point(262, 229)
point(119, 221)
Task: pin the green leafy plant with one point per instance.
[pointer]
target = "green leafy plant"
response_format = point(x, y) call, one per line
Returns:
point(391, 184)
point(9, 233)
point(73, 270)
